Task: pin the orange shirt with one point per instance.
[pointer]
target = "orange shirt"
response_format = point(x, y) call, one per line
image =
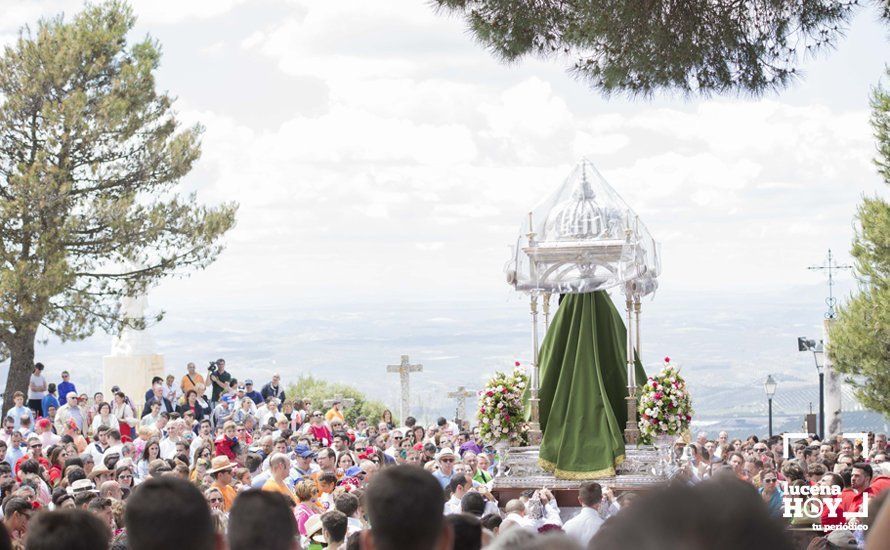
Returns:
point(279, 487)
point(334, 414)
point(228, 493)
point(187, 384)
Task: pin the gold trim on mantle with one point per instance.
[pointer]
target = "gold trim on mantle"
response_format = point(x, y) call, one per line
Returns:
point(548, 466)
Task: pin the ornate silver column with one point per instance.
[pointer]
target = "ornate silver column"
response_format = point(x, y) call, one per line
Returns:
point(534, 428)
point(631, 429)
point(546, 312)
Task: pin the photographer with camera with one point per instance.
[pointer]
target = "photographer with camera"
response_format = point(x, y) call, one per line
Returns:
point(219, 378)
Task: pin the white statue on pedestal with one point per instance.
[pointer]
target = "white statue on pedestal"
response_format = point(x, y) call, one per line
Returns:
point(133, 361)
point(131, 341)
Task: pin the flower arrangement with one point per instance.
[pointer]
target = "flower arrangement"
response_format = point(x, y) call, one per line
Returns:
point(501, 411)
point(665, 407)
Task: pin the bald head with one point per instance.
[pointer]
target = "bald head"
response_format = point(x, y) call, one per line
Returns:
point(111, 489)
point(515, 506)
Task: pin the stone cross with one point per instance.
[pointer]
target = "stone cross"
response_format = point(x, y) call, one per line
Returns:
point(404, 368)
point(461, 395)
point(345, 402)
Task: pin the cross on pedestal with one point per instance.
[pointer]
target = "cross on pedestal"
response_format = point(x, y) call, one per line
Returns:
point(404, 369)
point(461, 395)
point(345, 402)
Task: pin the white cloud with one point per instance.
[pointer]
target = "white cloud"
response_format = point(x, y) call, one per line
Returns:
point(425, 146)
point(177, 11)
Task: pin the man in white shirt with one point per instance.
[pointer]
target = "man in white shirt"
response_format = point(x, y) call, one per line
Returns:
point(349, 505)
point(37, 390)
point(395, 442)
point(459, 485)
point(515, 510)
point(114, 444)
point(204, 436)
point(596, 505)
point(168, 444)
point(171, 391)
point(97, 447)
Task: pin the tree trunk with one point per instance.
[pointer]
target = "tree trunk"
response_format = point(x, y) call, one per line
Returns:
point(21, 365)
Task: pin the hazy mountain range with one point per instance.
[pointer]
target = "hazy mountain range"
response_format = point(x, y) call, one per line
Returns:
point(725, 345)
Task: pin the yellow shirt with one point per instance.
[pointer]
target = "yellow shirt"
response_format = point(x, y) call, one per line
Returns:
point(334, 414)
point(279, 487)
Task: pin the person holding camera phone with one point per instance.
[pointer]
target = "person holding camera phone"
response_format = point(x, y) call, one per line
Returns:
point(220, 380)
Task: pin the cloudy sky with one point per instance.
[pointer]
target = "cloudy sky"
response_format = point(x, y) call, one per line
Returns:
point(383, 159)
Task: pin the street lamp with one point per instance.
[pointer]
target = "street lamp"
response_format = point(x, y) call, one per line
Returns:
point(803, 344)
point(770, 388)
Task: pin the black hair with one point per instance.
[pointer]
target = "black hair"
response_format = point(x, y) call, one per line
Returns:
point(590, 493)
point(335, 523)
point(467, 531)
point(491, 521)
point(84, 498)
point(99, 503)
point(865, 468)
point(473, 503)
point(253, 462)
point(404, 505)
point(457, 480)
point(726, 514)
point(73, 461)
point(261, 519)
point(346, 503)
point(168, 512)
point(15, 504)
point(74, 474)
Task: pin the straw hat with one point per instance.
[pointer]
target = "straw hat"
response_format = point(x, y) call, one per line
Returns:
point(220, 463)
point(313, 529)
point(82, 486)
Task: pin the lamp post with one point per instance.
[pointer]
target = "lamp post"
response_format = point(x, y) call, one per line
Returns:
point(804, 344)
point(770, 388)
point(819, 357)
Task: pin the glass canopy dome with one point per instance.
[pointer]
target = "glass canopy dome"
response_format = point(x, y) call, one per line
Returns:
point(584, 238)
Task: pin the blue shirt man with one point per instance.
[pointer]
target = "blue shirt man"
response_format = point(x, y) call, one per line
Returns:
point(65, 388)
point(49, 400)
point(254, 395)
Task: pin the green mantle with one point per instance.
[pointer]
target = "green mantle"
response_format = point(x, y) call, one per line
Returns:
point(583, 387)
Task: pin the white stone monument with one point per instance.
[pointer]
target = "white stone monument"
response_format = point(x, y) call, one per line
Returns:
point(833, 388)
point(133, 361)
point(405, 368)
point(461, 396)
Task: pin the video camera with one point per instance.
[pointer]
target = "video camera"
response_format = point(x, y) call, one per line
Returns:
point(212, 367)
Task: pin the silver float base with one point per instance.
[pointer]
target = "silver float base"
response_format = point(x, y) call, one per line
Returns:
point(633, 474)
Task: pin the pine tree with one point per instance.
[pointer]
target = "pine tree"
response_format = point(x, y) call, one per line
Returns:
point(860, 339)
point(639, 47)
point(90, 157)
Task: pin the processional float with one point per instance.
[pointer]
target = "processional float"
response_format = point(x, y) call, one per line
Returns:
point(581, 239)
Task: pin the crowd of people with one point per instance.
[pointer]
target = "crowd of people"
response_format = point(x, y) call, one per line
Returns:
point(206, 461)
